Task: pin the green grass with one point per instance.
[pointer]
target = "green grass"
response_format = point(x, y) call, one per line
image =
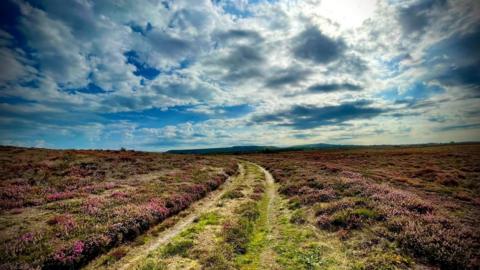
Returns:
point(365, 213)
point(177, 247)
point(258, 237)
point(153, 264)
point(232, 194)
point(299, 247)
point(181, 244)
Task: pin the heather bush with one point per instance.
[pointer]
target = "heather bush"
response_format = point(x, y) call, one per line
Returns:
point(310, 196)
point(344, 203)
point(452, 247)
point(93, 205)
point(67, 256)
point(232, 194)
point(64, 224)
point(60, 196)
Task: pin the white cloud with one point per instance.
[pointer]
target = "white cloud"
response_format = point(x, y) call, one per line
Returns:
point(266, 56)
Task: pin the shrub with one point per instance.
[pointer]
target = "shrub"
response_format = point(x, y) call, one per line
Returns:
point(64, 223)
point(219, 259)
point(347, 218)
point(324, 221)
point(298, 217)
point(344, 203)
point(157, 208)
point(232, 194)
point(68, 256)
point(365, 213)
point(248, 211)
point(92, 205)
point(448, 246)
point(154, 264)
point(309, 195)
point(237, 234)
point(60, 196)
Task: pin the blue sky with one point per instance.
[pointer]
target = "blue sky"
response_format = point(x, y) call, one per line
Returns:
point(158, 75)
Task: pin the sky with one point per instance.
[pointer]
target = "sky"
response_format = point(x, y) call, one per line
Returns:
point(156, 75)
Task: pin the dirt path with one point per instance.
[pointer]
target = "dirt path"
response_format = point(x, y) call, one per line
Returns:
point(195, 241)
point(268, 255)
point(193, 212)
point(292, 246)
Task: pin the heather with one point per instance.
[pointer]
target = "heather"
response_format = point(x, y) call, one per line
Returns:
point(60, 209)
point(364, 208)
point(391, 207)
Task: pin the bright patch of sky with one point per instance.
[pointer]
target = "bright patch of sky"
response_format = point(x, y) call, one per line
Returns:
point(158, 75)
point(347, 13)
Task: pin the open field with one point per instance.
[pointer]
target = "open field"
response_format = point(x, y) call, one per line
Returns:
point(62, 208)
point(369, 208)
point(390, 207)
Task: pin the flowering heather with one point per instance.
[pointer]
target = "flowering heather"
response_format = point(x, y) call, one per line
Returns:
point(120, 195)
point(70, 255)
point(157, 207)
point(63, 223)
point(83, 203)
point(57, 196)
point(408, 196)
point(93, 205)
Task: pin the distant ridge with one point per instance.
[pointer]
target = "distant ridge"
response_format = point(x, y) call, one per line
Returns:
point(259, 149)
point(227, 150)
point(304, 147)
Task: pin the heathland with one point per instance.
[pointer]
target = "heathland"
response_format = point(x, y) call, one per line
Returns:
point(415, 207)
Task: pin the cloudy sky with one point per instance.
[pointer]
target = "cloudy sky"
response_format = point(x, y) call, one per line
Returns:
point(157, 75)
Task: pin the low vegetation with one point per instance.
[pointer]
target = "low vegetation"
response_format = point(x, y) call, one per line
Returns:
point(60, 209)
point(368, 208)
point(391, 207)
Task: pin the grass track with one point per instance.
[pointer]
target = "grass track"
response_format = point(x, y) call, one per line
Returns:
point(274, 242)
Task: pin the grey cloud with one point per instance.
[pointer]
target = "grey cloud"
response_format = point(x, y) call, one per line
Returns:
point(461, 60)
point(310, 116)
point(289, 76)
point(238, 34)
point(466, 75)
point(313, 45)
point(457, 127)
point(244, 55)
point(185, 90)
point(243, 62)
point(350, 64)
point(168, 45)
point(333, 87)
point(420, 103)
point(416, 17)
point(404, 114)
point(437, 119)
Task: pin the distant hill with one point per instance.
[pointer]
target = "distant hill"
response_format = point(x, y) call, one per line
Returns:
point(304, 147)
point(227, 150)
point(259, 149)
